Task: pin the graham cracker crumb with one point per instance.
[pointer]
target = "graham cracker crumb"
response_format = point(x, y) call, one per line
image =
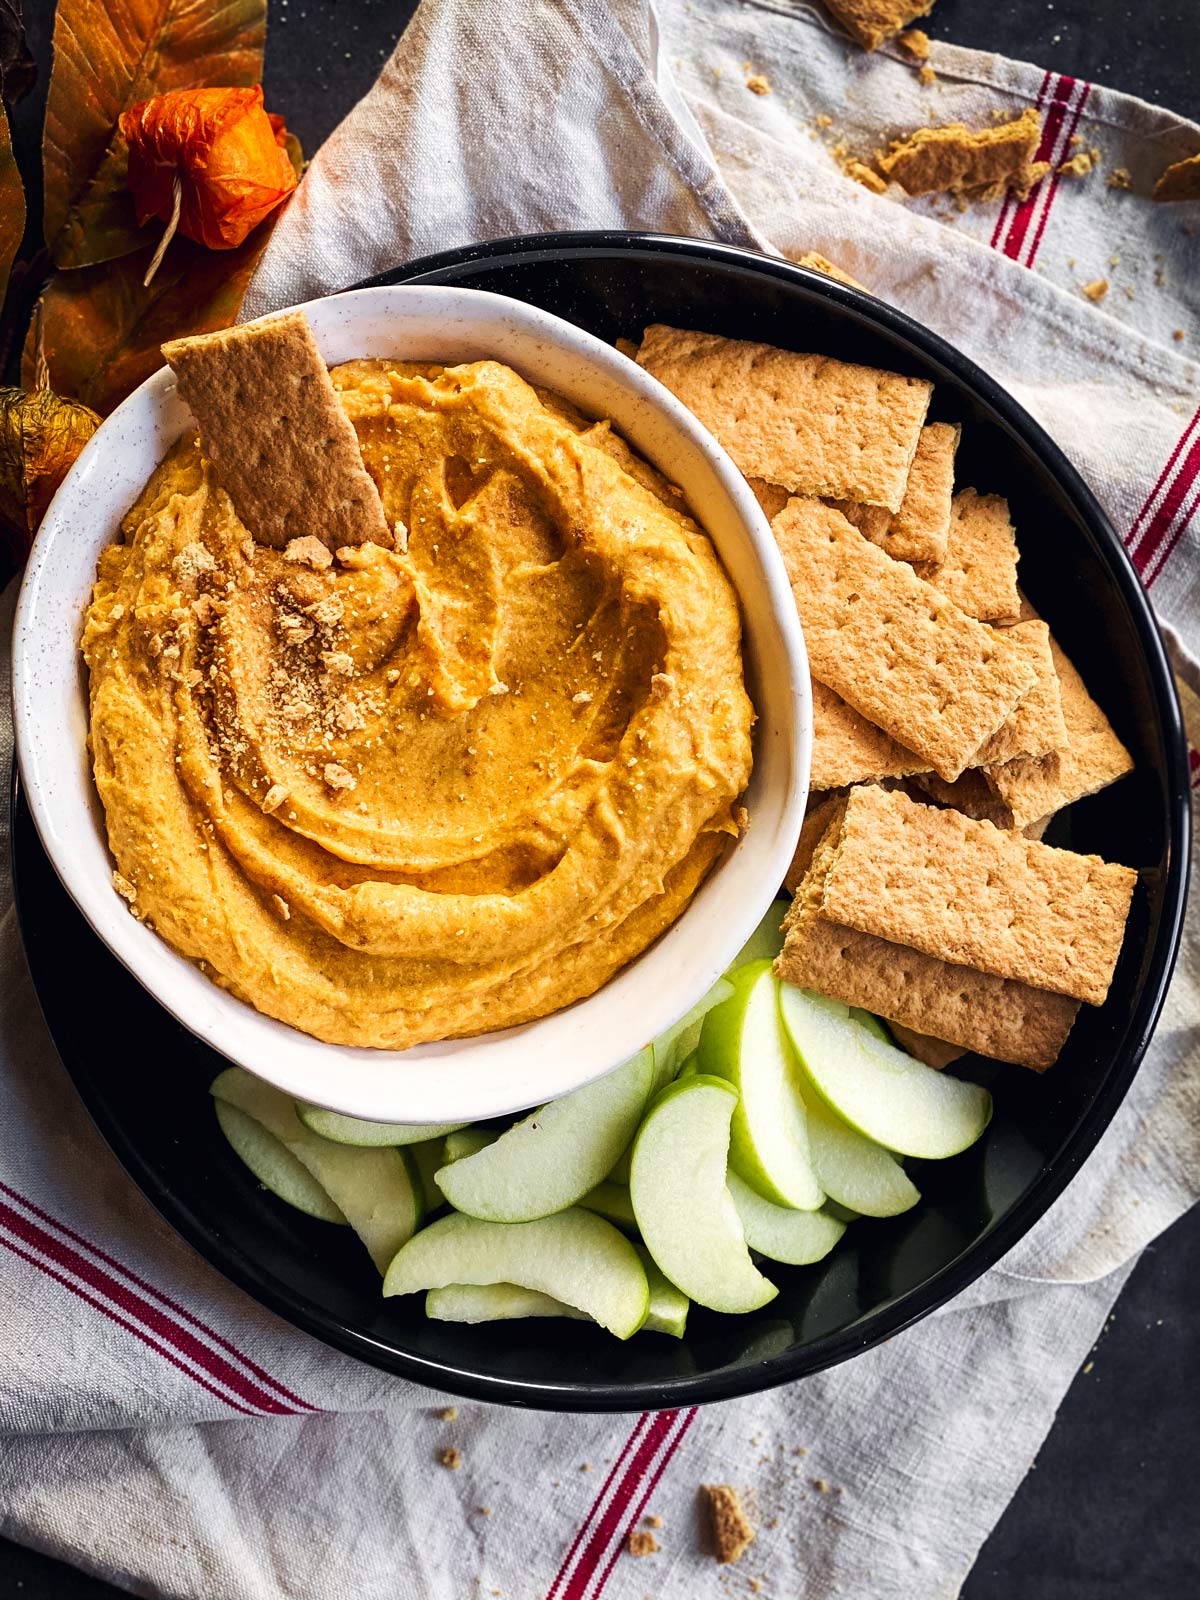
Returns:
point(821, 1485)
point(448, 1414)
point(926, 76)
point(1179, 336)
point(337, 777)
point(914, 42)
point(1096, 290)
point(641, 1544)
point(451, 1458)
point(1119, 178)
point(823, 120)
point(484, 1511)
point(731, 1530)
point(1078, 166)
point(281, 905)
point(867, 176)
point(308, 550)
point(757, 84)
point(274, 798)
point(956, 159)
point(652, 1520)
point(123, 887)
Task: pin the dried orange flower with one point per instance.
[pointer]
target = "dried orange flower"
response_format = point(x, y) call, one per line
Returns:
point(41, 433)
point(213, 156)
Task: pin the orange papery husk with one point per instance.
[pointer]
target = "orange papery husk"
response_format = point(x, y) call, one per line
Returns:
point(227, 153)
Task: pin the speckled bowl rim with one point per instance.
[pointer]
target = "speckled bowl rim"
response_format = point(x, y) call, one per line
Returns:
point(488, 1075)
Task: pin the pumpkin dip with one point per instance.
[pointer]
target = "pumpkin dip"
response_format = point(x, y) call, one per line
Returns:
point(406, 794)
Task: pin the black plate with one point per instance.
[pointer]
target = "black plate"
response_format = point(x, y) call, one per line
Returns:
point(150, 1098)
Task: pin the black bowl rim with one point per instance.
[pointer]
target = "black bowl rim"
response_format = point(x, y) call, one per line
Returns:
point(884, 1324)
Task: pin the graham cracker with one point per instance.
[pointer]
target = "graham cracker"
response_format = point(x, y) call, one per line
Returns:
point(975, 895)
point(920, 530)
point(937, 1053)
point(970, 793)
point(871, 22)
point(770, 497)
point(818, 814)
point(979, 570)
point(271, 423)
point(1037, 725)
point(1180, 181)
point(806, 422)
point(893, 647)
point(994, 1016)
point(1090, 759)
point(848, 749)
point(953, 159)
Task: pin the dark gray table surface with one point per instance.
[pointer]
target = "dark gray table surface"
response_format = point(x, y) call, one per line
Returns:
point(1109, 1510)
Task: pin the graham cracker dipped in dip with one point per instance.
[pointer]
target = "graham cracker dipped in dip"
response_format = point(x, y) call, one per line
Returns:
point(419, 751)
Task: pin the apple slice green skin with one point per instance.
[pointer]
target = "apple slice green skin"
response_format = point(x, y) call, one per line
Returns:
point(274, 1165)
point(494, 1302)
point(856, 1172)
point(573, 1256)
point(353, 1130)
point(466, 1142)
point(426, 1160)
point(679, 1040)
point(552, 1158)
point(375, 1189)
point(781, 1233)
point(765, 943)
point(880, 1091)
point(687, 1218)
point(743, 1042)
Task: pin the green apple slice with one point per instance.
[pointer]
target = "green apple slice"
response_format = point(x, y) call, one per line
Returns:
point(467, 1142)
point(880, 1091)
point(573, 1256)
point(856, 1172)
point(780, 1232)
point(611, 1200)
point(274, 1165)
point(678, 1042)
point(765, 943)
point(668, 1305)
point(687, 1218)
point(353, 1130)
point(494, 1302)
point(426, 1160)
point(552, 1158)
point(374, 1189)
point(743, 1042)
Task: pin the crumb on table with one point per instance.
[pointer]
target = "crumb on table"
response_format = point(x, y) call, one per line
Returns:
point(731, 1529)
point(450, 1457)
point(641, 1543)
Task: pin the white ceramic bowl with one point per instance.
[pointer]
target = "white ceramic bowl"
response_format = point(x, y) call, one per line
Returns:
point(464, 1079)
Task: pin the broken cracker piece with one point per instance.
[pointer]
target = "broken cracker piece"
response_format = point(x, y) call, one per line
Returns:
point(1096, 290)
point(731, 1531)
point(972, 895)
point(867, 176)
point(970, 793)
point(955, 159)
point(641, 1543)
point(807, 422)
point(819, 263)
point(1180, 181)
point(996, 1017)
point(758, 84)
point(1119, 178)
point(281, 445)
point(915, 43)
point(979, 570)
point(1091, 759)
point(1036, 726)
point(892, 646)
point(937, 1053)
point(309, 551)
point(1076, 166)
point(919, 531)
point(871, 22)
point(818, 814)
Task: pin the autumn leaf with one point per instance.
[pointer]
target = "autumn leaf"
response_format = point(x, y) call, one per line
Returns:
point(12, 204)
point(40, 436)
point(107, 58)
point(103, 328)
point(18, 70)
